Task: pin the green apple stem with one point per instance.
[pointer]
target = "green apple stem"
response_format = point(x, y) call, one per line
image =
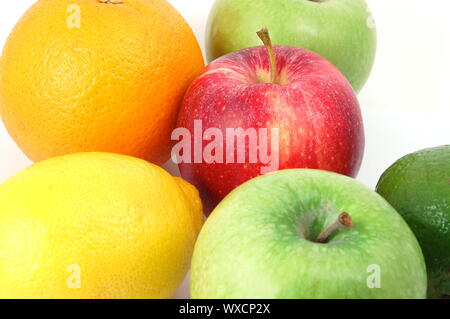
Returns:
point(343, 220)
point(264, 35)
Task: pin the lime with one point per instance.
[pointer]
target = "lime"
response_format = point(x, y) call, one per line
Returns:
point(418, 187)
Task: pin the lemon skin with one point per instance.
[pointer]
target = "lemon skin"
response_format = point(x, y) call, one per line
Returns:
point(96, 225)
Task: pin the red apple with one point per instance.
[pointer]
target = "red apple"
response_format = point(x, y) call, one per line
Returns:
point(305, 105)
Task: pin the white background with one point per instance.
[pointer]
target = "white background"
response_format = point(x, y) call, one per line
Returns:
point(405, 103)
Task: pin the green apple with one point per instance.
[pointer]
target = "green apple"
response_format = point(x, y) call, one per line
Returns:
point(342, 31)
point(306, 234)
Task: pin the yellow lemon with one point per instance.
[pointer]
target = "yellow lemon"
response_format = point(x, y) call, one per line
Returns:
point(96, 225)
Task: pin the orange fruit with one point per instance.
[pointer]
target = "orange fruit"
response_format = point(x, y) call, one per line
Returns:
point(97, 75)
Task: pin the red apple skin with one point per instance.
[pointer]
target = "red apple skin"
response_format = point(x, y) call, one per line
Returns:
point(315, 109)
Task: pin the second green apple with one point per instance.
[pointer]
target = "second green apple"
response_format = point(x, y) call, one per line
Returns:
point(342, 31)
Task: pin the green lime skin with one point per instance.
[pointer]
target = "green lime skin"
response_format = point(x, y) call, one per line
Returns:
point(418, 187)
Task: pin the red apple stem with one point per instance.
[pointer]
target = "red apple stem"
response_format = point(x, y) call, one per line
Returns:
point(343, 220)
point(264, 35)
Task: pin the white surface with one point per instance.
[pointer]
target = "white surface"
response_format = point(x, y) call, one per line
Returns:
point(405, 103)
